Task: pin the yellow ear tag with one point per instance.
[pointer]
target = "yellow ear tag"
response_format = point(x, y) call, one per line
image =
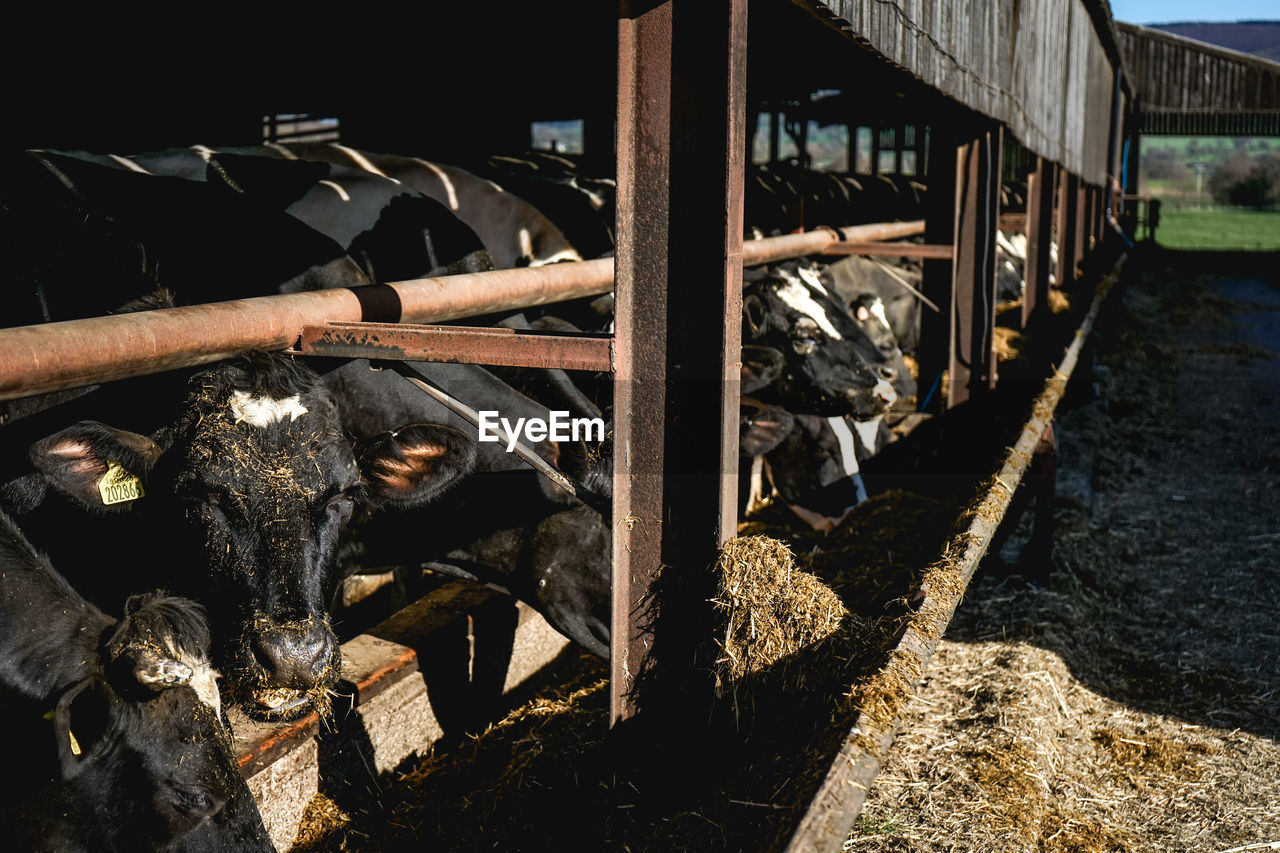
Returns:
point(75, 744)
point(118, 485)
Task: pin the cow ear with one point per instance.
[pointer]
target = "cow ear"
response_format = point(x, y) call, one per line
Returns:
point(755, 316)
point(79, 722)
point(760, 367)
point(415, 464)
point(98, 466)
point(763, 429)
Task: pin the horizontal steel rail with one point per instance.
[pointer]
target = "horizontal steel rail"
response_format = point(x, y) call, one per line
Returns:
point(462, 345)
point(75, 353)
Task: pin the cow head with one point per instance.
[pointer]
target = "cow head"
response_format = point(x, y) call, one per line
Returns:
point(140, 741)
point(832, 366)
point(248, 491)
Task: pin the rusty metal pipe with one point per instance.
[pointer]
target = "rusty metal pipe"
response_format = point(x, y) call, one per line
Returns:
point(74, 353)
point(816, 242)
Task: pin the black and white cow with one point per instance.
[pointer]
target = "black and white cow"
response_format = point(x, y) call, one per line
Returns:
point(87, 238)
point(836, 363)
point(114, 728)
point(515, 233)
point(392, 231)
point(238, 501)
point(862, 283)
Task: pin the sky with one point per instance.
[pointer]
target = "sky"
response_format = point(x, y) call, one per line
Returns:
point(1172, 11)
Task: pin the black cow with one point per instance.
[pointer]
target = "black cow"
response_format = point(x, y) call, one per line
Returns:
point(239, 501)
point(115, 736)
point(392, 231)
point(87, 238)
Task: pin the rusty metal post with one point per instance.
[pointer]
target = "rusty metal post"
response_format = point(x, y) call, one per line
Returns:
point(1040, 184)
point(681, 124)
point(972, 368)
point(1079, 225)
point(1066, 219)
point(940, 227)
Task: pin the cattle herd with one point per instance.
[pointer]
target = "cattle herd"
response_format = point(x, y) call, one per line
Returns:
point(172, 545)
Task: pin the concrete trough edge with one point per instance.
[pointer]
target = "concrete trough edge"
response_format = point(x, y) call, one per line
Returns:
point(835, 806)
point(381, 707)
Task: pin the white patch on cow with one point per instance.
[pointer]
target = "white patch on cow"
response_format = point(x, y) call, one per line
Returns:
point(885, 392)
point(342, 194)
point(449, 190)
point(129, 164)
point(205, 152)
point(204, 681)
point(810, 277)
point(1003, 244)
point(877, 311)
point(848, 452)
point(562, 255)
point(281, 150)
point(264, 411)
point(526, 243)
point(363, 162)
point(798, 297)
point(868, 433)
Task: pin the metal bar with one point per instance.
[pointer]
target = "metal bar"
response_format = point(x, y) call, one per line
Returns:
point(835, 807)
point(1035, 295)
point(972, 361)
point(940, 219)
point(75, 353)
point(681, 116)
point(458, 344)
point(53, 356)
point(819, 240)
point(1013, 221)
point(1079, 226)
point(1068, 196)
point(897, 250)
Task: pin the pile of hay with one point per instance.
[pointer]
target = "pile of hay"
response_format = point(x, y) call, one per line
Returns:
point(549, 773)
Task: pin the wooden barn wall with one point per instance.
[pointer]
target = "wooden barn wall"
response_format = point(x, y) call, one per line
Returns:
point(1038, 66)
point(1173, 73)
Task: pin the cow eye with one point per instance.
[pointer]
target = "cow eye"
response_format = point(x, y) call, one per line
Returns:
point(340, 505)
point(804, 346)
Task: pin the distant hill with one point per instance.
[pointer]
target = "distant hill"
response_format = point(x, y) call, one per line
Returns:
point(1260, 38)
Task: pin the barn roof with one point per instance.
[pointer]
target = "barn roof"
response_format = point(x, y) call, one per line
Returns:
point(1045, 68)
point(1189, 87)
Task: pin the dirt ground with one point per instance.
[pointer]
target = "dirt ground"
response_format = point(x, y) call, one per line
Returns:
point(1133, 703)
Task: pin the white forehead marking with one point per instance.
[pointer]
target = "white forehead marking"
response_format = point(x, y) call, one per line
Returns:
point(342, 194)
point(264, 411)
point(877, 309)
point(363, 162)
point(811, 278)
point(204, 152)
point(282, 151)
point(128, 164)
point(450, 192)
point(796, 295)
point(868, 432)
point(847, 451)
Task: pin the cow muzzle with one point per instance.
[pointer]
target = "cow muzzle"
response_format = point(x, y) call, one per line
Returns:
point(295, 659)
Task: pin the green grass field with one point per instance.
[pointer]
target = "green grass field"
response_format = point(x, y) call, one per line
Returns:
point(1219, 228)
